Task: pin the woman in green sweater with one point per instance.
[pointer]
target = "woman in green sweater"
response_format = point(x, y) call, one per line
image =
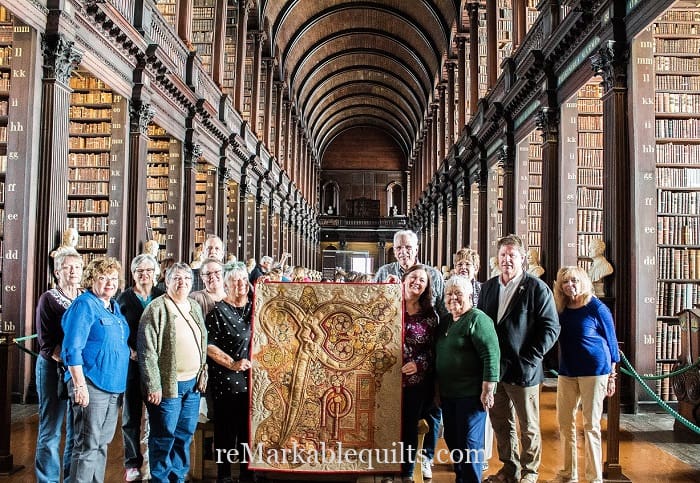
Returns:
point(467, 368)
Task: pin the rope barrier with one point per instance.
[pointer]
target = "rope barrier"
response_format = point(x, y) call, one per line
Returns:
point(664, 376)
point(24, 349)
point(631, 372)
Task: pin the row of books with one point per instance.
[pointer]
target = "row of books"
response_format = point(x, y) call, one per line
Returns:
point(589, 106)
point(590, 123)
point(582, 243)
point(88, 174)
point(674, 102)
point(663, 386)
point(590, 176)
point(590, 158)
point(676, 46)
point(88, 206)
point(157, 195)
point(91, 98)
point(677, 230)
point(79, 142)
point(676, 64)
point(590, 139)
point(589, 220)
point(589, 198)
point(678, 128)
point(677, 202)
point(672, 153)
point(89, 112)
point(86, 82)
point(88, 223)
point(157, 170)
point(679, 263)
point(678, 177)
point(88, 160)
point(674, 297)
point(677, 15)
point(668, 340)
point(677, 82)
point(92, 241)
point(88, 188)
point(76, 128)
point(156, 184)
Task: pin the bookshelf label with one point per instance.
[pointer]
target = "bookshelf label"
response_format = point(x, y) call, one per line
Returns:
point(13, 155)
point(10, 288)
point(649, 260)
point(649, 300)
point(11, 187)
point(16, 126)
point(12, 217)
point(8, 326)
point(12, 254)
point(649, 339)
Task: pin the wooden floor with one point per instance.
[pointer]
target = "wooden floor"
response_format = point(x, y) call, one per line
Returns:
point(642, 456)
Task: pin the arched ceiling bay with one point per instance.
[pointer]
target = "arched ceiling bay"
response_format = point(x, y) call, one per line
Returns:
point(360, 63)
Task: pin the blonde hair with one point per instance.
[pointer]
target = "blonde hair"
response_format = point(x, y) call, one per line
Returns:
point(100, 266)
point(564, 275)
point(469, 255)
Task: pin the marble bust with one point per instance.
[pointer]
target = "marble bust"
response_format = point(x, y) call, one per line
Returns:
point(533, 263)
point(600, 268)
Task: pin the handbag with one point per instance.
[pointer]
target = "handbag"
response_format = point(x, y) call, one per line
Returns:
point(61, 384)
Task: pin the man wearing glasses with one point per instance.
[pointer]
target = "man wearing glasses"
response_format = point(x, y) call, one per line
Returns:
point(213, 249)
point(406, 253)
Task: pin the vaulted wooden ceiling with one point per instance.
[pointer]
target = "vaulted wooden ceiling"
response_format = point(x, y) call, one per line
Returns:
point(360, 63)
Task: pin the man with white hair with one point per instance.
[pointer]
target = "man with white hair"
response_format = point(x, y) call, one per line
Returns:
point(261, 268)
point(213, 248)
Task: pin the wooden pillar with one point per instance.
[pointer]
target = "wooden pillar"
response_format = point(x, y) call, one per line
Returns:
point(473, 9)
point(137, 211)
point(60, 58)
point(434, 142)
point(242, 31)
point(219, 50)
point(506, 156)
point(269, 92)
point(547, 120)
point(452, 228)
point(462, 85)
point(519, 22)
point(279, 91)
point(258, 38)
point(491, 44)
point(440, 127)
point(193, 152)
point(483, 220)
point(287, 138)
point(451, 138)
point(184, 21)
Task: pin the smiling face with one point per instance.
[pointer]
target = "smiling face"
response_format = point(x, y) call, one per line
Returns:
point(415, 284)
point(510, 261)
point(179, 284)
point(213, 276)
point(458, 299)
point(144, 274)
point(70, 273)
point(105, 285)
point(465, 268)
point(405, 251)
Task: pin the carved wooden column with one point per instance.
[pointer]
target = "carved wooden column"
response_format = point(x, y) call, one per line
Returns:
point(184, 20)
point(258, 38)
point(547, 120)
point(519, 22)
point(60, 58)
point(269, 92)
point(452, 229)
point(222, 220)
point(483, 176)
point(287, 137)
point(506, 156)
point(217, 60)
point(434, 141)
point(611, 63)
point(242, 31)
point(279, 110)
point(243, 235)
point(451, 138)
point(137, 211)
point(440, 125)
point(193, 152)
point(462, 85)
point(473, 9)
point(491, 44)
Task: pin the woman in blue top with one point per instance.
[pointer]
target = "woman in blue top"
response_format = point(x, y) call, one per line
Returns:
point(97, 356)
point(587, 357)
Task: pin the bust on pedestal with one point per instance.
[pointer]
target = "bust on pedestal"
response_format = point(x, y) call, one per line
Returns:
point(600, 268)
point(533, 263)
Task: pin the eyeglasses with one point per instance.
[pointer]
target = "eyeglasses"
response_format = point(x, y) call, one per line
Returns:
point(141, 271)
point(464, 264)
point(178, 278)
point(104, 279)
point(408, 248)
point(216, 273)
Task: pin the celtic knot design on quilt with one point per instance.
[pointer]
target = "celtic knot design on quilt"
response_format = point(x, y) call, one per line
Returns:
point(326, 379)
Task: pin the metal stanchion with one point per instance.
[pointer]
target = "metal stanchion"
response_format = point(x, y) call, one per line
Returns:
point(613, 469)
point(7, 466)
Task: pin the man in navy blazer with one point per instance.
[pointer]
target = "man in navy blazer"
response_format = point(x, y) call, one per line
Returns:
point(527, 325)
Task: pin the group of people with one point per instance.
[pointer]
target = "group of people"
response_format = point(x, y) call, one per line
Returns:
point(472, 352)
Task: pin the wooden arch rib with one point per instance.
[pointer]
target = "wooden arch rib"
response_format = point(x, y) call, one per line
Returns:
point(359, 119)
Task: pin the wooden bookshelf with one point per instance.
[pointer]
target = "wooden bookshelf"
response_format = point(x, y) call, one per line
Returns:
point(676, 82)
point(228, 85)
point(495, 207)
point(168, 9)
point(482, 38)
point(95, 164)
point(589, 168)
point(248, 82)
point(504, 30)
point(531, 13)
point(205, 190)
point(529, 190)
point(203, 18)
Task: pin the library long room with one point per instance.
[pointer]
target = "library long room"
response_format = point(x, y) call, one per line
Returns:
point(310, 133)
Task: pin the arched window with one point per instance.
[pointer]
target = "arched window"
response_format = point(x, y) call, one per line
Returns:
point(394, 199)
point(331, 198)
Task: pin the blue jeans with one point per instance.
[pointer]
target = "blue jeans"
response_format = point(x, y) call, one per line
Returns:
point(173, 423)
point(433, 416)
point(132, 413)
point(94, 428)
point(51, 412)
point(465, 421)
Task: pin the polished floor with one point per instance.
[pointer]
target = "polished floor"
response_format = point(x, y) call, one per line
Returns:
point(649, 451)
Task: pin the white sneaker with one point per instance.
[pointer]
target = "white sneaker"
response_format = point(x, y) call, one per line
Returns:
point(132, 474)
point(426, 467)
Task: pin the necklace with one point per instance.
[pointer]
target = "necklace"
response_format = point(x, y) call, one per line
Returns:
point(242, 312)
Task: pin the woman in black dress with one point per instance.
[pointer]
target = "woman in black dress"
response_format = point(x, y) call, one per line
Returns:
point(228, 325)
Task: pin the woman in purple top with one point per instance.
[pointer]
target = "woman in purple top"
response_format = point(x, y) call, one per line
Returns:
point(420, 322)
point(587, 357)
point(52, 304)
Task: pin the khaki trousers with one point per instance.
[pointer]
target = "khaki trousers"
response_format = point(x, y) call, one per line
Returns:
point(524, 402)
point(589, 391)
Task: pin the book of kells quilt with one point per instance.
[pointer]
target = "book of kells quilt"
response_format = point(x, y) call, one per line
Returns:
point(326, 378)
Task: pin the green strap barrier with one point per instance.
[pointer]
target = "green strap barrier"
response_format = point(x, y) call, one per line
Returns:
point(631, 372)
point(24, 349)
point(663, 376)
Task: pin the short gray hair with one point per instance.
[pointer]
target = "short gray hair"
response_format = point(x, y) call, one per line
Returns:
point(408, 234)
point(175, 268)
point(461, 282)
point(266, 259)
point(146, 257)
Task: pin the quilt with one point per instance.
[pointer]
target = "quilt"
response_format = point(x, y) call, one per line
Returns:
point(326, 378)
